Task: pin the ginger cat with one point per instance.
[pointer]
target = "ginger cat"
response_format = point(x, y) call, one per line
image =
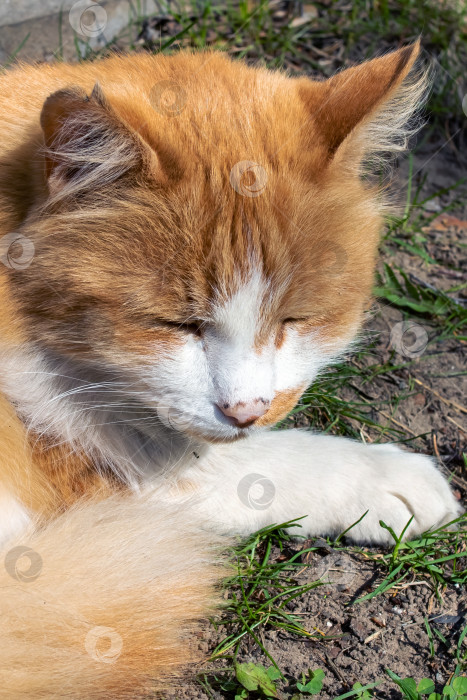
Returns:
point(173, 275)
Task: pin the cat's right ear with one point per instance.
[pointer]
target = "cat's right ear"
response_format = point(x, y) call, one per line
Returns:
point(87, 144)
point(365, 110)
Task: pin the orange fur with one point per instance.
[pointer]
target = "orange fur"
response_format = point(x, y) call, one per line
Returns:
point(280, 406)
point(124, 564)
point(303, 186)
point(19, 475)
point(112, 192)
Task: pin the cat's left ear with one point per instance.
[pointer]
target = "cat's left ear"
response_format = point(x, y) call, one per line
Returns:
point(365, 109)
point(87, 144)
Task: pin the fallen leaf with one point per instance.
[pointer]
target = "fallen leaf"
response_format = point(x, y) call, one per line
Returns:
point(444, 221)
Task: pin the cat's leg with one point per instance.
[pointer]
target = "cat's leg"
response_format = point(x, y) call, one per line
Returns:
point(276, 476)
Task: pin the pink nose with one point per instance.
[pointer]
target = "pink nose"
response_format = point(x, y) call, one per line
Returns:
point(244, 413)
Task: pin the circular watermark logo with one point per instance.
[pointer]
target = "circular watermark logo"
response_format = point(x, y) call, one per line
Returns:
point(173, 417)
point(88, 18)
point(464, 105)
point(256, 491)
point(336, 569)
point(23, 564)
point(168, 98)
point(16, 251)
point(332, 260)
point(409, 339)
point(248, 179)
point(103, 644)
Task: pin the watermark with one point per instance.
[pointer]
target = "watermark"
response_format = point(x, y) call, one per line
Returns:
point(248, 179)
point(464, 105)
point(173, 417)
point(103, 644)
point(23, 564)
point(88, 18)
point(16, 251)
point(332, 261)
point(336, 569)
point(256, 491)
point(168, 98)
point(409, 339)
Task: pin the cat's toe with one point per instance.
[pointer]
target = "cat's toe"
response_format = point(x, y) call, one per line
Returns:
point(407, 487)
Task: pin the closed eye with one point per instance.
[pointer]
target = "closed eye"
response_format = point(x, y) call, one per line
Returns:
point(295, 320)
point(194, 327)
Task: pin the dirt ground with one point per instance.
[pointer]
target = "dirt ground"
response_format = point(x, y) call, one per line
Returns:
point(359, 640)
point(362, 639)
point(389, 630)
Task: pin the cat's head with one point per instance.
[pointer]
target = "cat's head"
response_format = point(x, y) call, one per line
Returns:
point(217, 253)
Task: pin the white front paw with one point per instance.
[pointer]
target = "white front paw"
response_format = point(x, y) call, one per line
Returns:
point(398, 486)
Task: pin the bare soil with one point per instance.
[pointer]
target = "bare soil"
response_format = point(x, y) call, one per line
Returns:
point(360, 640)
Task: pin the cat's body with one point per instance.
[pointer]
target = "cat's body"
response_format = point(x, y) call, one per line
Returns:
point(185, 272)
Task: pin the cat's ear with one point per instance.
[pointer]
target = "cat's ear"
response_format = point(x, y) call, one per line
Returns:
point(86, 144)
point(367, 107)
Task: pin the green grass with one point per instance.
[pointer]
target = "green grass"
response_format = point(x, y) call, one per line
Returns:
point(331, 36)
point(255, 678)
point(265, 579)
point(265, 576)
point(455, 689)
point(265, 569)
point(407, 232)
point(438, 557)
point(261, 680)
point(260, 590)
point(422, 300)
point(338, 402)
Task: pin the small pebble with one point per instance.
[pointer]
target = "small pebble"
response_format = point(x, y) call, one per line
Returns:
point(380, 621)
point(419, 399)
point(433, 205)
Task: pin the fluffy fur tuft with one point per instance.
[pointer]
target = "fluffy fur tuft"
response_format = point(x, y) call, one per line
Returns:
point(134, 566)
point(171, 281)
